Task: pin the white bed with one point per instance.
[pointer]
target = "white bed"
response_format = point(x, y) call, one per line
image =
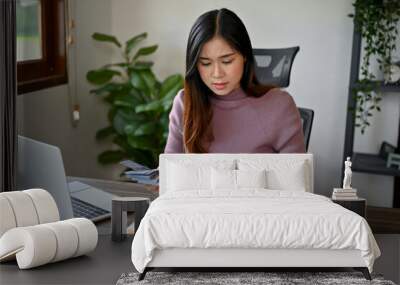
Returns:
point(203, 221)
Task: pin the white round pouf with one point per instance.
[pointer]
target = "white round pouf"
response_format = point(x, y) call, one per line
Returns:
point(30, 230)
point(87, 233)
point(67, 239)
point(23, 208)
point(33, 246)
point(46, 207)
point(7, 218)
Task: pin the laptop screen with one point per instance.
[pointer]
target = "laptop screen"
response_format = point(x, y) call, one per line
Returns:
point(40, 165)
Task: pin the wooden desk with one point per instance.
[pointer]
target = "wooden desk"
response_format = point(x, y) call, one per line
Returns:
point(119, 188)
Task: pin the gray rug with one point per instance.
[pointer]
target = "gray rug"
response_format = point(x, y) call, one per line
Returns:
point(270, 278)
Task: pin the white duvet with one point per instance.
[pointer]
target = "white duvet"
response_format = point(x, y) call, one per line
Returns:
point(252, 218)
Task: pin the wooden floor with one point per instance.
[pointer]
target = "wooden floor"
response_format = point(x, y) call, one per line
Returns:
point(384, 220)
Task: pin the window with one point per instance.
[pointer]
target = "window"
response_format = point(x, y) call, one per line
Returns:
point(41, 45)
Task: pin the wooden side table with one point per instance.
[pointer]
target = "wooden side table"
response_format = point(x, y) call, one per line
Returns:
point(358, 205)
point(120, 207)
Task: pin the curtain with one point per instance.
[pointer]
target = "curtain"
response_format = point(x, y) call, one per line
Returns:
point(8, 93)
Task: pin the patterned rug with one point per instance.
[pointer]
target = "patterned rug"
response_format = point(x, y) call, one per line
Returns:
point(242, 278)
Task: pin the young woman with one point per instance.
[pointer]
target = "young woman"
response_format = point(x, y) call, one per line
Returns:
point(222, 108)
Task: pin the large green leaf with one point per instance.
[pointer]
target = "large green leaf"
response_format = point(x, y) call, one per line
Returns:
point(130, 128)
point(104, 133)
point(131, 43)
point(149, 78)
point(167, 104)
point(111, 156)
point(125, 117)
point(146, 129)
point(152, 106)
point(106, 38)
point(111, 114)
point(122, 142)
point(101, 76)
point(145, 51)
point(164, 121)
point(127, 100)
point(170, 86)
point(141, 142)
point(130, 115)
point(140, 65)
point(119, 123)
point(141, 156)
point(119, 64)
point(138, 82)
point(112, 87)
point(144, 80)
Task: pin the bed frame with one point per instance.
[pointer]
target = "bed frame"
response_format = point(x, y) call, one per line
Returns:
point(246, 258)
point(242, 259)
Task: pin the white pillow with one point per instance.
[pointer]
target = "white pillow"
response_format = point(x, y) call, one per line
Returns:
point(282, 174)
point(251, 178)
point(223, 179)
point(227, 179)
point(188, 175)
point(287, 179)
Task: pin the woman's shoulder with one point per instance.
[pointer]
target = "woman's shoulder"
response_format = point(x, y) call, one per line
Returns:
point(277, 94)
point(179, 97)
point(177, 106)
point(277, 97)
point(178, 101)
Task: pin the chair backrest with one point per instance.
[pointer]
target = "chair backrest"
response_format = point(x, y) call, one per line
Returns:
point(307, 117)
point(273, 66)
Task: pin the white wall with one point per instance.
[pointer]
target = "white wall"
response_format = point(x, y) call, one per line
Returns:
point(320, 74)
point(319, 80)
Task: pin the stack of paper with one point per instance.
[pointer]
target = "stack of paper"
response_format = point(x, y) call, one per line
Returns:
point(344, 194)
point(140, 173)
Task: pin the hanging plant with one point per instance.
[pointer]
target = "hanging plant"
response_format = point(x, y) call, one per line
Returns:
point(376, 21)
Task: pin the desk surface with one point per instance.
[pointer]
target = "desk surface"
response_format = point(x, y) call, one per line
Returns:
point(104, 265)
point(119, 188)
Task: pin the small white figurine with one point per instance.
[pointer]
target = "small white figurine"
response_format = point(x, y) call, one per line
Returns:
point(347, 174)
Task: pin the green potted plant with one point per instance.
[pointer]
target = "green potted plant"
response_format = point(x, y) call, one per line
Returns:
point(139, 103)
point(376, 21)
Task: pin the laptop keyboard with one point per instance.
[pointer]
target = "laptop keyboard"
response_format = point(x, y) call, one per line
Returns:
point(86, 210)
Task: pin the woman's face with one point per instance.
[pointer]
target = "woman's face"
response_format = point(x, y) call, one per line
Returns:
point(220, 66)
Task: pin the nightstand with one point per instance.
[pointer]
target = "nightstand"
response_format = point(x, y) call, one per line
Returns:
point(357, 205)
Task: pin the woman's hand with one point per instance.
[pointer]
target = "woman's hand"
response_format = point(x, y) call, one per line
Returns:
point(153, 188)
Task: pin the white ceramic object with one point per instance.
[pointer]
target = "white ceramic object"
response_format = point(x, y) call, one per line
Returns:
point(31, 233)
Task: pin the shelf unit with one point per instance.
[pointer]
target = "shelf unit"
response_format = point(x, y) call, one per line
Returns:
point(372, 163)
point(364, 162)
point(390, 87)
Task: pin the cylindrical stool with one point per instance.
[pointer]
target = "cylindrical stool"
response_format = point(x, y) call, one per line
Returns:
point(120, 207)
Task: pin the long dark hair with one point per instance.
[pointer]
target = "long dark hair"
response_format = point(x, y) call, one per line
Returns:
point(197, 116)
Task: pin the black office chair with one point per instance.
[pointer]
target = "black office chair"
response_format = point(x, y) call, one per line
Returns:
point(273, 66)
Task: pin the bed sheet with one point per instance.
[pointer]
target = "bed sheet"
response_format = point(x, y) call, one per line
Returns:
point(250, 218)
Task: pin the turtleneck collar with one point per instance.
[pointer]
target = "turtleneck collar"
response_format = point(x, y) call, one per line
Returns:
point(231, 100)
point(235, 94)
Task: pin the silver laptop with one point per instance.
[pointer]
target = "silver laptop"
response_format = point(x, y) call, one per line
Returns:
point(40, 165)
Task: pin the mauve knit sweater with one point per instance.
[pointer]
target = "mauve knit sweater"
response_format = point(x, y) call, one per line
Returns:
point(244, 124)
